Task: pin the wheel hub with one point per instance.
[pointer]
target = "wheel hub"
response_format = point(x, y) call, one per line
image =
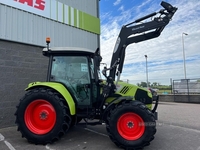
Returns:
point(40, 116)
point(43, 115)
point(130, 124)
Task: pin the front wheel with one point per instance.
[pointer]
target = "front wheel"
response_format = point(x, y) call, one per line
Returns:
point(131, 125)
point(42, 117)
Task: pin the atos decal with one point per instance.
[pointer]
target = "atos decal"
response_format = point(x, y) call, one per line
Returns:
point(38, 4)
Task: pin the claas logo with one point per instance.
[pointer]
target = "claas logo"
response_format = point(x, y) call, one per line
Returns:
point(38, 4)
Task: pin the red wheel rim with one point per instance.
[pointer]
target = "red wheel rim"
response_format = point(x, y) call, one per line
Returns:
point(130, 126)
point(40, 116)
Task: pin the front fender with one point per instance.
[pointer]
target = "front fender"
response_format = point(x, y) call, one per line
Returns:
point(60, 89)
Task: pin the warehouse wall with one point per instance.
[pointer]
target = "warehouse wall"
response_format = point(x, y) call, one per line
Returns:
point(80, 24)
point(20, 26)
point(22, 37)
point(20, 64)
point(90, 7)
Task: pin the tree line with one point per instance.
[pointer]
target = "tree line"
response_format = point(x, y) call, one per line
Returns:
point(154, 85)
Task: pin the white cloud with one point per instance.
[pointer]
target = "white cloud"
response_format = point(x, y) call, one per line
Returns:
point(121, 8)
point(117, 2)
point(144, 3)
point(165, 53)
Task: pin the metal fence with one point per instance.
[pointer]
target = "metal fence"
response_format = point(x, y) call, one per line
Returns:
point(186, 90)
point(186, 86)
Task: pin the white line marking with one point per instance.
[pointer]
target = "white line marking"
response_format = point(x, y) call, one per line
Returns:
point(96, 132)
point(1, 137)
point(47, 147)
point(185, 128)
point(9, 145)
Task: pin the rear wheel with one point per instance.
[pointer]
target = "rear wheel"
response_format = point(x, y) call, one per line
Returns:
point(42, 116)
point(131, 125)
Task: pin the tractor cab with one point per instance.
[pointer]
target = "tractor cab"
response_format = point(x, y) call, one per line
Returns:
point(77, 69)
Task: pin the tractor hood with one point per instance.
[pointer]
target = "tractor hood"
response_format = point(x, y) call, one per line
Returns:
point(137, 93)
point(124, 88)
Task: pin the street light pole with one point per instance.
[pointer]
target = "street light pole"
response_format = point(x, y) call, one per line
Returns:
point(184, 53)
point(147, 72)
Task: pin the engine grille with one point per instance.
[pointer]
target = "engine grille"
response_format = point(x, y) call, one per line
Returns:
point(125, 89)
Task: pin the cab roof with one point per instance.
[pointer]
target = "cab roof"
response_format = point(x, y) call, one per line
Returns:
point(67, 50)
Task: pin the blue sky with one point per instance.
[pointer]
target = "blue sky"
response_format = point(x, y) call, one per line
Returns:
point(165, 53)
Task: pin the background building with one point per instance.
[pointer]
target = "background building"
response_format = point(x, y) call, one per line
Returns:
point(24, 26)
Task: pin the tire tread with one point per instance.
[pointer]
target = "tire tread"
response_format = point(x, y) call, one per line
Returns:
point(62, 104)
point(123, 105)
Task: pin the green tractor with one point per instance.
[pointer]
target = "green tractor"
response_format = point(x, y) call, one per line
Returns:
point(74, 92)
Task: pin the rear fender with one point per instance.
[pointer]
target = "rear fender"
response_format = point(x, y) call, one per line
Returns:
point(60, 89)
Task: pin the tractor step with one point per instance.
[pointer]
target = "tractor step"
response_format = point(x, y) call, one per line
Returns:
point(92, 123)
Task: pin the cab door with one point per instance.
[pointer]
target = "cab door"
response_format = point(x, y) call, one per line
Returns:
point(73, 72)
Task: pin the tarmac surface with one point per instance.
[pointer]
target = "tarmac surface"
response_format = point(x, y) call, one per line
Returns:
point(178, 128)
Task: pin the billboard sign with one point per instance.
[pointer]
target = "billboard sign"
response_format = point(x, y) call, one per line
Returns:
point(39, 7)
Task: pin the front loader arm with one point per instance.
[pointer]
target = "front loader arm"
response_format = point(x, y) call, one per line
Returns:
point(139, 32)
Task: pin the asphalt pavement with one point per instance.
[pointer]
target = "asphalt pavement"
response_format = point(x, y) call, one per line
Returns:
point(178, 128)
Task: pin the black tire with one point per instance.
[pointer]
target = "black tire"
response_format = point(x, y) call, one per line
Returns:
point(131, 125)
point(42, 116)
